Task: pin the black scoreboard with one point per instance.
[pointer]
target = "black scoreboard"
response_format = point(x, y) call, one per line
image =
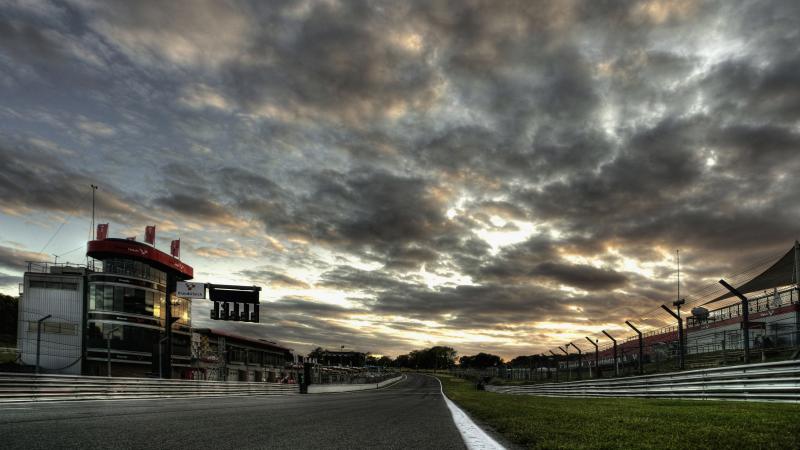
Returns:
point(234, 302)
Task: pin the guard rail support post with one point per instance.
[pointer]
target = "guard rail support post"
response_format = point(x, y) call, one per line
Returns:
point(745, 319)
point(677, 316)
point(616, 366)
point(596, 357)
point(641, 347)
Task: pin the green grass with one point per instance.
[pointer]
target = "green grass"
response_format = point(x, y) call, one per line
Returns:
point(578, 423)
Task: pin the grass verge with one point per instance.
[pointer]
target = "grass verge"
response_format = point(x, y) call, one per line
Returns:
point(604, 423)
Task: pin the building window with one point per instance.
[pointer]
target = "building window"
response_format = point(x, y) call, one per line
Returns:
point(66, 286)
point(124, 299)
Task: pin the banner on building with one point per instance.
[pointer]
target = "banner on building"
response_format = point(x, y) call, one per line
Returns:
point(187, 289)
point(102, 231)
point(175, 248)
point(150, 234)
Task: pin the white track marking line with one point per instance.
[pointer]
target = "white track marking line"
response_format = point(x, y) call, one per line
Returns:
point(474, 437)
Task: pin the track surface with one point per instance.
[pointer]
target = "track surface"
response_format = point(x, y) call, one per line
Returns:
point(408, 414)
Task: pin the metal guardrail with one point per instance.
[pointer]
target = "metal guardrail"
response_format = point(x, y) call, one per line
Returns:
point(776, 381)
point(15, 387)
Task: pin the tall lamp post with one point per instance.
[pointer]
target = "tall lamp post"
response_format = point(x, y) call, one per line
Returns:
point(108, 349)
point(39, 338)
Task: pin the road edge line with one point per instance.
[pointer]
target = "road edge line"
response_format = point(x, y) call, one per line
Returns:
point(474, 437)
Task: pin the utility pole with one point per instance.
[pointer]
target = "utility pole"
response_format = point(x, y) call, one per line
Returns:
point(678, 258)
point(641, 347)
point(39, 339)
point(745, 319)
point(91, 231)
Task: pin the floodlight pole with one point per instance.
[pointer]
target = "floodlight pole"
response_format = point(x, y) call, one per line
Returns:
point(596, 357)
point(616, 366)
point(39, 339)
point(641, 347)
point(569, 366)
point(580, 358)
point(745, 319)
point(681, 350)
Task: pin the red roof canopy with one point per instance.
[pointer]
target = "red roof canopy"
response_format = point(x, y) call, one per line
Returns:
point(109, 248)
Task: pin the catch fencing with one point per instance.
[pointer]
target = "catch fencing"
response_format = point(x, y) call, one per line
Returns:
point(15, 387)
point(777, 381)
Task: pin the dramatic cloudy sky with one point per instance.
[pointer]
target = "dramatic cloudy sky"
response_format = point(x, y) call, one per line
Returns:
point(497, 176)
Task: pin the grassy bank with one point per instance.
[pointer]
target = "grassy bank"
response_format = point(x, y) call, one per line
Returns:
point(543, 422)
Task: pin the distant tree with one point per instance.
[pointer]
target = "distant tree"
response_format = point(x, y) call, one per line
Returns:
point(403, 361)
point(480, 361)
point(317, 353)
point(384, 361)
point(529, 361)
point(9, 306)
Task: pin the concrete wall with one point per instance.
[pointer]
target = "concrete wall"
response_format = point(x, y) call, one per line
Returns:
point(62, 333)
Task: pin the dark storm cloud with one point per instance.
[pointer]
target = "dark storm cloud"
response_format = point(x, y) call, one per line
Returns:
point(36, 175)
point(337, 63)
point(274, 279)
point(396, 134)
point(15, 259)
point(6, 280)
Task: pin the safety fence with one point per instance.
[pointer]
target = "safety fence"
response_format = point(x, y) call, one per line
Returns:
point(777, 381)
point(348, 375)
point(16, 387)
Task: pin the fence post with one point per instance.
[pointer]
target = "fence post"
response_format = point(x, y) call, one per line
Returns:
point(745, 319)
point(569, 366)
point(677, 304)
point(616, 366)
point(596, 358)
point(556, 361)
point(580, 360)
point(641, 347)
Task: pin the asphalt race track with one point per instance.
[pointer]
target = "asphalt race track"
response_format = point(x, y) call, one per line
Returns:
point(410, 414)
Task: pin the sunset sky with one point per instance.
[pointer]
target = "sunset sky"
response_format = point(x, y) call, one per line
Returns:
point(494, 176)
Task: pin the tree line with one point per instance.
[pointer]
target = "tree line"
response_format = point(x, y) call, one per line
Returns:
point(434, 358)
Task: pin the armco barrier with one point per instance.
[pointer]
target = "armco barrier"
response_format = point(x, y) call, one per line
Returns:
point(777, 381)
point(16, 387)
point(325, 388)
